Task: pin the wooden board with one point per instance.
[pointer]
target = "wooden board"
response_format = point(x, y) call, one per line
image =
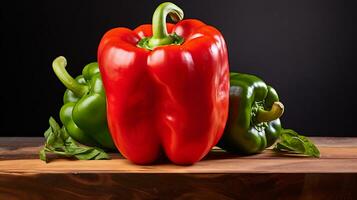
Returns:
point(219, 176)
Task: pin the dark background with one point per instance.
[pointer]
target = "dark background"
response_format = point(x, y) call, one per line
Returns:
point(302, 48)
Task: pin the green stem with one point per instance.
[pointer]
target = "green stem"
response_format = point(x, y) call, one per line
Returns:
point(160, 36)
point(59, 67)
point(274, 113)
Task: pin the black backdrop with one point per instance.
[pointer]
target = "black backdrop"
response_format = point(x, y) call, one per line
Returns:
point(303, 48)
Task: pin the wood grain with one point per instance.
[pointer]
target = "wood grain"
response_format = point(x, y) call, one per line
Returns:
point(178, 186)
point(219, 176)
point(335, 159)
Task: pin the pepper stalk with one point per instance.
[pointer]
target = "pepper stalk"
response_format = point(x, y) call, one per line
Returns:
point(59, 67)
point(160, 35)
point(274, 113)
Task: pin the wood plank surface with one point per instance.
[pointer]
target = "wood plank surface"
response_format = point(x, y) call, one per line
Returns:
point(20, 155)
point(218, 176)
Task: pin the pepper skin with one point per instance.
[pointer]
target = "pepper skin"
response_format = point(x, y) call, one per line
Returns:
point(250, 127)
point(84, 111)
point(166, 93)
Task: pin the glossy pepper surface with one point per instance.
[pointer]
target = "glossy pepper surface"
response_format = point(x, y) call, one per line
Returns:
point(253, 121)
point(167, 88)
point(84, 111)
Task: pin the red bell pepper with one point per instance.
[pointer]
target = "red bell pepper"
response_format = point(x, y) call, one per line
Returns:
point(166, 93)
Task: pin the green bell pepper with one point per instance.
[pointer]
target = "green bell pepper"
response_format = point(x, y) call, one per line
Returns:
point(253, 120)
point(84, 111)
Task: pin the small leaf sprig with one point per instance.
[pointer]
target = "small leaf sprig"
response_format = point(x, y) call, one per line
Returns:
point(59, 142)
point(291, 142)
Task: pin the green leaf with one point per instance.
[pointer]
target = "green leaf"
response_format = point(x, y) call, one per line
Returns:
point(43, 155)
point(89, 154)
point(102, 155)
point(64, 133)
point(47, 132)
point(60, 143)
point(292, 142)
point(280, 146)
point(53, 123)
point(53, 139)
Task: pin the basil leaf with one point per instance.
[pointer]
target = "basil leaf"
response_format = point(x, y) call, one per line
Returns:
point(90, 154)
point(53, 138)
point(282, 147)
point(47, 132)
point(60, 143)
point(53, 124)
point(43, 155)
point(291, 142)
point(102, 155)
point(64, 134)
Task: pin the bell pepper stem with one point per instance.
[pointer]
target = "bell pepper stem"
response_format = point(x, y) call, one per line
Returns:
point(274, 113)
point(59, 67)
point(160, 36)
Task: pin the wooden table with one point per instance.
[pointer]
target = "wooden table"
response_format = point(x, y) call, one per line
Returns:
point(219, 176)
